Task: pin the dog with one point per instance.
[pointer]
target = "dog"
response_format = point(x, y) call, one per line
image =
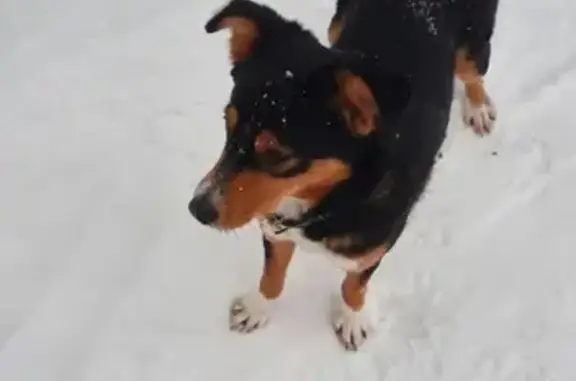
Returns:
point(329, 148)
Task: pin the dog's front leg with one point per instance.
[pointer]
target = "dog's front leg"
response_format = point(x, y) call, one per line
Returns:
point(353, 320)
point(251, 311)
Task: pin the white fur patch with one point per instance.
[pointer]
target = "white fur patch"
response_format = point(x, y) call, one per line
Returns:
point(353, 328)
point(293, 208)
point(480, 118)
point(249, 312)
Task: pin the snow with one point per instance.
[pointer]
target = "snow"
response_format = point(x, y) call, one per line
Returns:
point(111, 112)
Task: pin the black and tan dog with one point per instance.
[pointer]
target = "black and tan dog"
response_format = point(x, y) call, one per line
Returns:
point(330, 148)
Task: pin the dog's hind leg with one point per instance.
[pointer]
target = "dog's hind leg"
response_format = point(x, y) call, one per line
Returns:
point(352, 319)
point(479, 111)
point(472, 62)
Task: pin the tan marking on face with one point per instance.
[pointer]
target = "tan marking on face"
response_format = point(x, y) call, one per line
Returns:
point(312, 195)
point(244, 33)
point(251, 193)
point(275, 268)
point(467, 72)
point(357, 103)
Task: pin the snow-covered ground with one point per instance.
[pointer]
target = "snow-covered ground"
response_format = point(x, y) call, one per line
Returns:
point(110, 111)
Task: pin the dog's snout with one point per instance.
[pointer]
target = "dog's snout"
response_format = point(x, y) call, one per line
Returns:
point(203, 210)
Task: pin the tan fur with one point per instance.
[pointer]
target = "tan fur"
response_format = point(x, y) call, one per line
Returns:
point(231, 116)
point(467, 72)
point(357, 103)
point(250, 193)
point(353, 288)
point(353, 291)
point(371, 258)
point(275, 268)
point(334, 31)
point(243, 34)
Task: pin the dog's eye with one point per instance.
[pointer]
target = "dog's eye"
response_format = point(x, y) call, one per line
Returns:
point(271, 156)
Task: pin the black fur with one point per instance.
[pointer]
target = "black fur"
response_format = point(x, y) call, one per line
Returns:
point(418, 39)
point(404, 50)
point(267, 249)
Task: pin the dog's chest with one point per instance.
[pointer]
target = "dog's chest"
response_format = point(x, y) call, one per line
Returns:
point(294, 208)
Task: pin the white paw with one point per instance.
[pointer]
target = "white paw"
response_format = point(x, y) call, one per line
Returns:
point(480, 118)
point(249, 312)
point(352, 328)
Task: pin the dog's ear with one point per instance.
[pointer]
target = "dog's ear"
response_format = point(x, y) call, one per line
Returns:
point(357, 103)
point(366, 107)
point(248, 22)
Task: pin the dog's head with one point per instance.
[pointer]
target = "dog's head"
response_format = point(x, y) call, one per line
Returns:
point(295, 123)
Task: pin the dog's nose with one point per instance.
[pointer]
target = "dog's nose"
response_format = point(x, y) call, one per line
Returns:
point(203, 210)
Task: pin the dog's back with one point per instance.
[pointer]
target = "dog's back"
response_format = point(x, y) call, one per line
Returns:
point(418, 37)
point(428, 41)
